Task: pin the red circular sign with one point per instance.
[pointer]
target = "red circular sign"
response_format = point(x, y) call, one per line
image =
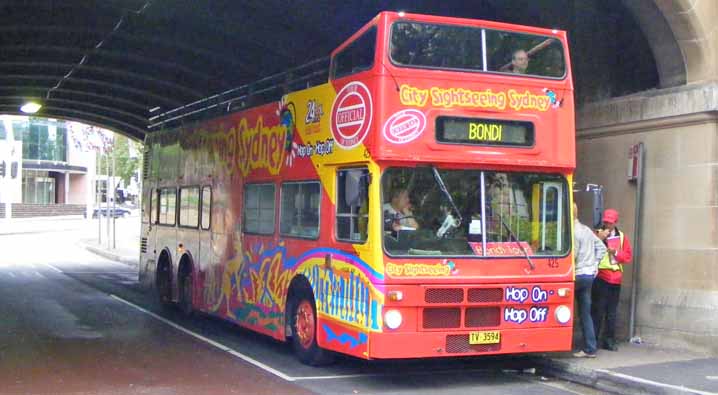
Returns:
point(351, 115)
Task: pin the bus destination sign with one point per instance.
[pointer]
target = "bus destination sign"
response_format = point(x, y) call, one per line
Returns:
point(480, 131)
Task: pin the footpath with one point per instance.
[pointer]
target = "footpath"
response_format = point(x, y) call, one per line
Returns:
point(637, 369)
point(634, 369)
point(123, 253)
point(41, 224)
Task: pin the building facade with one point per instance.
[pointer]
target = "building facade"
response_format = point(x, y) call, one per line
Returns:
point(46, 172)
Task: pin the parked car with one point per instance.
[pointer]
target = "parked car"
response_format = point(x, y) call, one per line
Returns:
point(116, 212)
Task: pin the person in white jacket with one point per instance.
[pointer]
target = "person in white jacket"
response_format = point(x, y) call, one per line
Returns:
point(588, 252)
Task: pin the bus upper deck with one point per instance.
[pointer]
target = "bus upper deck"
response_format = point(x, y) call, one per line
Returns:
point(406, 84)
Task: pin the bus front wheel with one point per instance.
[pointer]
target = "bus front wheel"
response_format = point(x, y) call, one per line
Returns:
point(304, 332)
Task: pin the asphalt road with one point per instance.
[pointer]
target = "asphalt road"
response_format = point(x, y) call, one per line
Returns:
point(74, 323)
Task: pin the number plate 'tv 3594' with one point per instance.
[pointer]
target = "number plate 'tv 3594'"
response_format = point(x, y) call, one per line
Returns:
point(485, 337)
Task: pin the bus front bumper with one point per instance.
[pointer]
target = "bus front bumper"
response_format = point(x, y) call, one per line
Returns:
point(451, 344)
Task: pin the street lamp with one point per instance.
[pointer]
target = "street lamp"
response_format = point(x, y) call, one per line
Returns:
point(30, 107)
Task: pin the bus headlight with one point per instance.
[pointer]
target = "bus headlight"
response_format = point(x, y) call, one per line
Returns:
point(563, 314)
point(392, 319)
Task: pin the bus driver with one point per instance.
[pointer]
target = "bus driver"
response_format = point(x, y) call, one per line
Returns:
point(398, 213)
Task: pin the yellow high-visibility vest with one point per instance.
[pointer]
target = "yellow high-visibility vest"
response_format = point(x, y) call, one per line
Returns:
point(606, 260)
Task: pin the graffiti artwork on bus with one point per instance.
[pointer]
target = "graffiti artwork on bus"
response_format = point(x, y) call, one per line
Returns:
point(253, 287)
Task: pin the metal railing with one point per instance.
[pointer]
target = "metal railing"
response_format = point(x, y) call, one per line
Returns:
point(255, 93)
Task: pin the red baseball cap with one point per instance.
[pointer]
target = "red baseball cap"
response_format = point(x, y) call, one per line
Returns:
point(610, 215)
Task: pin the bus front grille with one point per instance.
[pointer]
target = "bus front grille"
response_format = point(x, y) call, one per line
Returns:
point(444, 295)
point(442, 317)
point(480, 317)
point(450, 317)
point(485, 295)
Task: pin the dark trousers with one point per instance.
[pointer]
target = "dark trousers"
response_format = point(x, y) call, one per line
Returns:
point(583, 299)
point(603, 306)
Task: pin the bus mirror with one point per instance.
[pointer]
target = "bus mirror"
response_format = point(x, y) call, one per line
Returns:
point(355, 186)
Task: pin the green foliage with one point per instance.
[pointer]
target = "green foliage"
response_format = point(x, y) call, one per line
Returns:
point(128, 158)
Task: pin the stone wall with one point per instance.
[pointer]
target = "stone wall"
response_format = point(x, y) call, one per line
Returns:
point(678, 272)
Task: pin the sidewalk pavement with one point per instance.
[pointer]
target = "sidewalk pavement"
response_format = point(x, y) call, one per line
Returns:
point(633, 369)
point(41, 224)
point(124, 253)
point(637, 369)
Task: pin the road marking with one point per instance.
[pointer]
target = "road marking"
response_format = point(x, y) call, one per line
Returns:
point(338, 376)
point(209, 341)
point(123, 274)
point(656, 383)
point(53, 268)
point(712, 377)
point(11, 274)
point(557, 386)
point(533, 378)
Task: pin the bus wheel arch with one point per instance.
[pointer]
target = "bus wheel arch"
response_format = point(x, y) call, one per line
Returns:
point(163, 278)
point(302, 320)
point(185, 285)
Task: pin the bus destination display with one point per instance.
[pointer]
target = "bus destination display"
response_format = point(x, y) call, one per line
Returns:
point(479, 131)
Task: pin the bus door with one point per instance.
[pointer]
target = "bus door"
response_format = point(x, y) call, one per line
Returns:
point(547, 207)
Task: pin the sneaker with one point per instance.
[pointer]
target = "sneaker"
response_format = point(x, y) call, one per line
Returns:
point(582, 354)
point(611, 347)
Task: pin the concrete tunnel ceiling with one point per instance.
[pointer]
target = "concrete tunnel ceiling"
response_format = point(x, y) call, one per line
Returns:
point(110, 62)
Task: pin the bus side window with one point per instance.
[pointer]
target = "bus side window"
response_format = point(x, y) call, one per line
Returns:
point(153, 206)
point(352, 205)
point(168, 206)
point(259, 209)
point(206, 207)
point(299, 214)
point(189, 207)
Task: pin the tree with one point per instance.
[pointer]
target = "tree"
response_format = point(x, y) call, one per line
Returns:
point(127, 159)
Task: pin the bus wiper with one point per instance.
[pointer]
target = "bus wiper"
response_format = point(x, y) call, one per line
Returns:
point(449, 221)
point(513, 236)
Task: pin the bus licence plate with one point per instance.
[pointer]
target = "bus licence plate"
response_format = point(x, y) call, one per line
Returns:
point(485, 337)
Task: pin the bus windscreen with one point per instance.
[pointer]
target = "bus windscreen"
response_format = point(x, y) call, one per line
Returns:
point(466, 48)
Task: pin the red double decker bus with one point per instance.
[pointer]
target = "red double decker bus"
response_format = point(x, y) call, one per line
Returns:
point(415, 205)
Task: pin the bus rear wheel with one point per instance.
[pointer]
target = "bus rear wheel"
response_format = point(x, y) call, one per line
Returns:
point(304, 332)
point(185, 296)
point(164, 286)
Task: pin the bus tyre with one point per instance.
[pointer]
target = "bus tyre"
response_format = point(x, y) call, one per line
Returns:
point(164, 287)
point(185, 296)
point(304, 332)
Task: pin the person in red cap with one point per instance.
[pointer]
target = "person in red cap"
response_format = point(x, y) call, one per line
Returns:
point(607, 286)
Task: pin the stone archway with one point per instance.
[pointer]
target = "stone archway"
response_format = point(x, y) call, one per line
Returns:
point(682, 36)
point(657, 28)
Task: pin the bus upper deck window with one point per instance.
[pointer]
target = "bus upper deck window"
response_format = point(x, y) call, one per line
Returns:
point(517, 53)
point(436, 46)
point(357, 56)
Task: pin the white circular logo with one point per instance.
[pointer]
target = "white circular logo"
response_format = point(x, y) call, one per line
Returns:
point(404, 126)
